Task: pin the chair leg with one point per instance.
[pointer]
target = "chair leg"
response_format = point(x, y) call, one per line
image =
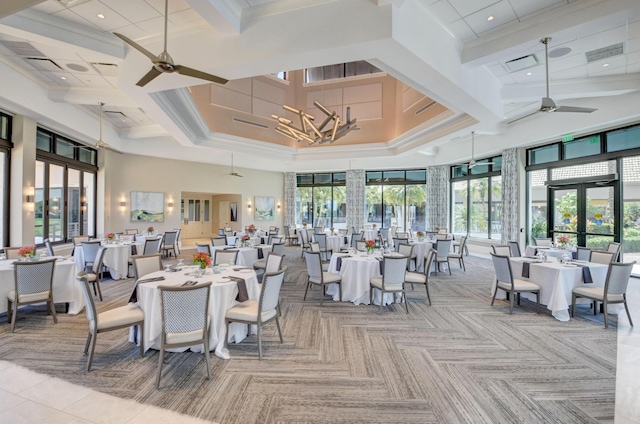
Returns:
point(92, 349)
point(305, 291)
point(260, 341)
point(160, 360)
point(14, 318)
point(595, 307)
point(606, 315)
point(279, 330)
point(448, 266)
point(381, 299)
point(370, 294)
point(86, 345)
point(511, 303)
point(141, 339)
point(226, 336)
point(9, 310)
point(207, 354)
point(538, 302)
point(493, 299)
point(323, 291)
point(53, 310)
point(626, 308)
point(426, 286)
point(97, 284)
point(573, 305)
point(340, 290)
point(462, 262)
point(406, 302)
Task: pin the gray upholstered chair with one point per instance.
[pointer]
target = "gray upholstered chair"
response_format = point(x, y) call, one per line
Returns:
point(272, 263)
point(219, 241)
point(615, 248)
point(169, 243)
point(515, 249)
point(33, 284)
point(318, 277)
point(49, 247)
point(614, 290)
point(290, 236)
point(185, 320)
point(583, 253)
point(12, 252)
point(260, 312)
point(542, 241)
point(513, 286)
point(455, 243)
point(501, 249)
point(113, 319)
point(397, 241)
point(304, 241)
point(406, 249)
point(89, 252)
point(459, 255)
point(204, 248)
point(146, 264)
point(392, 280)
point(131, 231)
point(601, 257)
point(321, 239)
point(225, 256)
point(422, 277)
point(442, 253)
point(96, 272)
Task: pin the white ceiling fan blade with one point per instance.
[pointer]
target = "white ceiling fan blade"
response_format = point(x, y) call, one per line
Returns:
point(575, 109)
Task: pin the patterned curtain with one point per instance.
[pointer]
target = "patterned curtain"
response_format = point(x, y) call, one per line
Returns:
point(355, 198)
point(509, 219)
point(437, 196)
point(290, 185)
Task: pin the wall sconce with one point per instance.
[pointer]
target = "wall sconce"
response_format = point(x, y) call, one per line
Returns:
point(249, 206)
point(170, 204)
point(83, 206)
point(30, 198)
point(123, 204)
point(278, 205)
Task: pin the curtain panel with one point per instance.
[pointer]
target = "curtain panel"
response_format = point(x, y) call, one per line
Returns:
point(437, 196)
point(355, 198)
point(290, 185)
point(509, 218)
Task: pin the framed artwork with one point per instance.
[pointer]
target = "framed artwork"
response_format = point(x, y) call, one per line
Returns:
point(264, 208)
point(234, 211)
point(147, 206)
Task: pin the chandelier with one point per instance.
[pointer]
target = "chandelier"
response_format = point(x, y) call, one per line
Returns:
point(327, 132)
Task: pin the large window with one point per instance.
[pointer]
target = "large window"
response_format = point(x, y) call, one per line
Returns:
point(476, 195)
point(321, 200)
point(65, 189)
point(5, 150)
point(396, 198)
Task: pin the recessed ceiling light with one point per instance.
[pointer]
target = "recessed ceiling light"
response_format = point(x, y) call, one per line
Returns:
point(605, 65)
point(64, 78)
point(529, 73)
point(100, 15)
point(490, 18)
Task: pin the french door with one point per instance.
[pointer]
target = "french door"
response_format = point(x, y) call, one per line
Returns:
point(585, 212)
point(196, 218)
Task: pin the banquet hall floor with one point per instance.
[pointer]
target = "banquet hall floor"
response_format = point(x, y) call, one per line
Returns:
point(459, 360)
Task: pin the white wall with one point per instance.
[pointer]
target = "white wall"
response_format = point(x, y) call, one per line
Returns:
point(126, 173)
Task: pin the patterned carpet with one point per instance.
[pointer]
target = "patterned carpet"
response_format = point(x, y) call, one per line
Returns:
point(458, 361)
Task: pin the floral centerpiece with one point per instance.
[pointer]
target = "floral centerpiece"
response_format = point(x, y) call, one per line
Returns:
point(27, 252)
point(420, 235)
point(333, 231)
point(374, 226)
point(563, 241)
point(110, 236)
point(202, 259)
point(251, 229)
point(150, 230)
point(304, 224)
point(437, 228)
point(245, 239)
point(370, 245)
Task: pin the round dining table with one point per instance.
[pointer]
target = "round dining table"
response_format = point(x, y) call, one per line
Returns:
point(116, 258)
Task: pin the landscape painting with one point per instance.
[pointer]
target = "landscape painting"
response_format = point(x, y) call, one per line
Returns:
point(147, 206)
point(264, 208)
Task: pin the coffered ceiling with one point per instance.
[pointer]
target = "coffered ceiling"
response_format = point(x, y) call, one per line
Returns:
point(480, 60)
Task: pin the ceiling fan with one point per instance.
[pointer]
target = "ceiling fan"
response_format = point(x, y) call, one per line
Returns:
point(472, 163)
point(232, 172)
point(163, 63)
point(101, 144)
point(547, 104)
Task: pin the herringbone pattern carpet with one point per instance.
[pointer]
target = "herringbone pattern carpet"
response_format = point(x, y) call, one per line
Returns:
point(458, 361)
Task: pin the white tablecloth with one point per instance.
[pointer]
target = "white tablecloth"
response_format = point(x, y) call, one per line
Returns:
point(222, 298)
point(116, 258)
point(371, 235)
point(556, 282)
point(549, 251)
point(334, 243)
point(420, 249)
point(356, 274)
point(246, 255)
point(65, 287)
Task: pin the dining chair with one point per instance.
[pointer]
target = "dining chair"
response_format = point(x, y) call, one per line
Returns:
point(422, 277)
point(506, 282)
point(290, 236)
point(113, 319)
point(515, 249)
point(455, 244)
point(304, 241)
point(260, 312)
point(441, 236)
point(397, 241)
point(392, 279)
point(89, 252)
point(442, 253)
point(151, 245)
point(146, 264)
point(203, 248)
point(33, 284)
point(501, 249)
point(583, 253)
point(49, 247)
point(321, 239)
point(402, 234)
point(361, 245)
point(615, 248)
point(541, 241)
point(185, 320)
point(170, 240)
point(225, 257)
point(94, 275)
point(272, 263)
point(459, 255)
point(318, 277)
point(614, 290)
point(218, 241)
point(601, 257)
point(131, 231)
point(12, 252)
point(406, 249)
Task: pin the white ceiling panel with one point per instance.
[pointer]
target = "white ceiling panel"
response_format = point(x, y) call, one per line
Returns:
point(174, 5)
point(443, 11)
point(137, 11)
point(594, 68)
point(571, 73)
point(466, 8)
point(527, 7)
point(604, 38)
point(74, 17)
point(90, 11)
point(461, 30)
point(502, 13)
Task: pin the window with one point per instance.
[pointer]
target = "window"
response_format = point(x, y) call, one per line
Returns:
point(340, 70)
point(587, 146)
point(5, 151)
point(321, 200)
point(396, 198)
point(626, 138)
point(65, 201)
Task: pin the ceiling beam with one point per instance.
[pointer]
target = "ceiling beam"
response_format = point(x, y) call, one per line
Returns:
point(10, 7)
point(223, 15)
point(90, 96)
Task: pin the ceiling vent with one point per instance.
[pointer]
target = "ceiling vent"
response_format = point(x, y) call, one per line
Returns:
point(425, 107)
point(255, 124)
point(521, 63)
point(115, 114)
point(71, 3)
point(22, 48)
point(44, 64)
point(106, 69)
point(605, 52)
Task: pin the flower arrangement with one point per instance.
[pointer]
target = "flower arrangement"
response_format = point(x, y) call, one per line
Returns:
point(370, 245)
point(420, 235)
point(437, 228)
point(110, 236)
point(563, 240)
point(150, 230)
point(374, 226)
point(202, 259)
point(27, 252)
point(245, 239)
point(304, 224)
point(333, 230)
point(251, 229)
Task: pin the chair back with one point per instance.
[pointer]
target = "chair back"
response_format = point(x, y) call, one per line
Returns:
point(501, 249)
point(274, 262)
point(406, 249)
point(541, 241)
point(131, 231)
point(442, 248)
point(310, 233)
point(384, 233)
point(90, 305)
point(394, 268)
point(321, 239)
point(615, 248)
point(618, 277)
point(151, 246)
point(287, 231)
point(97, 262)
point(315, 246)
point(219, 241)
point(276, 240)
point(502, 267)
point(204, 248)
point(397, 241)
point(90, 250)
point(228, 233)
point(146, 264)
point(353, 231)
point(33, 277)
point(12, 252)
point(270, 294)
point(314, 264)
point(402, 234)
point(170, 238)
point(79, 239)
point(225, 257)
point(515, 249)
point(393, 230)
point(439, 236)
point(185, 309)
point(278, 248)
point(601, 257)
point(583, 253)
point(361, 245)
point(304, 236)
point(428, 260)
point(47, 243)
point(343, 231)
